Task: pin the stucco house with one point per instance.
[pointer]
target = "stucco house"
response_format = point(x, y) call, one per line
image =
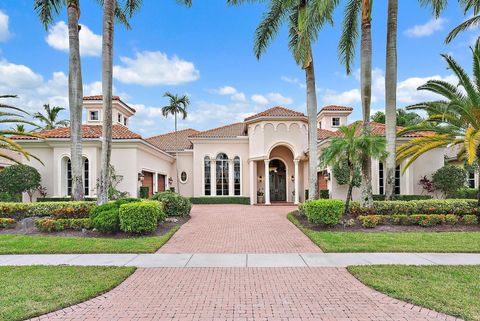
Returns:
point(266, 153)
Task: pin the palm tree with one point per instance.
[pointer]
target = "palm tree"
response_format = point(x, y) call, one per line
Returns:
point(13, 115)
point(469, 23)
point(452, 120)
point(305, 18)
point(177, 105)
point(351, 148)
point(50, 119)
point(403, 118)
point(19, 128)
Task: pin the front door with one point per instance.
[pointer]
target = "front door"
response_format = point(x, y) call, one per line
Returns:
point(278, 181)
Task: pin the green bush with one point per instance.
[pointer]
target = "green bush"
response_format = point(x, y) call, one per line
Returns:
point(470, 219)
point(449, 179)
point(220, 200)
point(324, 194)
point(381, 197)
point(467, 193)
point(58, 225)
point(58, 209)
point(370, 221)
point(425, 220)
point(140, 218)
point(17, 179)
point(433, 206)
point(174, 204)
point(451, 219)
point(6, 222)
point(324, 212)
point(63, 199)
point(105, 218)
point(144, 192)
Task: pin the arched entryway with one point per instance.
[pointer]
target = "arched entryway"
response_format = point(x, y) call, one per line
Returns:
point(278, 181)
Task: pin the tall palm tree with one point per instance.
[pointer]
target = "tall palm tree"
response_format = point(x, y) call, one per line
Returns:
point(403, 119)
point(49, 120)
point(452, 120)
point(469, 23)
point(304, 18)
point(13, 115)
point(177, 106)
point(350, 148)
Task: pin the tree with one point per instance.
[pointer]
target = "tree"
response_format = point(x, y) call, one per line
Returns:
point(305, 18)
point(13, 115)
point(452, 120)
point(469, 23)
point(352, 146)
point(19, 128)
point(404, 118)
point(50, 120)
point(449, 179)
point(17, 179)
point(177, 105)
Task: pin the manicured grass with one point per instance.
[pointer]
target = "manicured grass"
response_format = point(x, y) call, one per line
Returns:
point(25, 244)
point(29, 291)
point(440, 242)
point(454, 290)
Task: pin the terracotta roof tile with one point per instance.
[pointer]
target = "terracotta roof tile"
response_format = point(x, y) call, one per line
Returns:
point(228, 131)
point(277, 112)
point(324, 133)
point(99, 97)
point(336, 108)
point(378, 129)
point(172, 142)
point(88, 131)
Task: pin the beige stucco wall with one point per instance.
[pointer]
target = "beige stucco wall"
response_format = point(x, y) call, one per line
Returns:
point(185, 163)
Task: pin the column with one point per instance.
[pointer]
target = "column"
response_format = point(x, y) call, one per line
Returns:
point(251, 181)
point(297, 182)
point(155, 183)
point(213, 177)
point(231, 191)
point(267, 182)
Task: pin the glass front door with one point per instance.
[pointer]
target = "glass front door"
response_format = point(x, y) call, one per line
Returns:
point(278, 181)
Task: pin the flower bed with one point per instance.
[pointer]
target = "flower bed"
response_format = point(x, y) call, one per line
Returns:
point(6, 222)
point(62, 224)
point(56, 209)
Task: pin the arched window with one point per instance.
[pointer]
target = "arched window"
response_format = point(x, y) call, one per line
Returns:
point(222, 174)
point(236, 176)
point(86, 176)
point(207, 169)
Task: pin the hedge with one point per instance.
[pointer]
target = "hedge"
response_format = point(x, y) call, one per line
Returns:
point(105, 218)
point(221, 200)
point(381, 197)
point(7, 222)
point(467, 193)
point(323, 212)
point(57, 209)
point(174, 204)
point(141, 217)
point(58, 225)
point(425, 220)
point(64, 199)
point(433, 206)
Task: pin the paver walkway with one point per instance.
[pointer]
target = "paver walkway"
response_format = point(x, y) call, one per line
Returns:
point(239, 229)
point(222, 294)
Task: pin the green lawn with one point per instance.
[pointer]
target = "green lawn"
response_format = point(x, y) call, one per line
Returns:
point(464, 242)
point(29, 291)
point(26, 244)
point(454, 290)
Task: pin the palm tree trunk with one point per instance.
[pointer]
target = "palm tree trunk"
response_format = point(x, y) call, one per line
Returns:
point(366, 199)
point(75, 100)
point(312, 129)
point(176, 161)
point(477, 170)
point(107, 74)
point(350, 190)
point(391, 99)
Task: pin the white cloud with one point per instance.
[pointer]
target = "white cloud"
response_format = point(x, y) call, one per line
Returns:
point(293, 80)
point(90, 43)
point(427, 28)
point(4, 31)
point(407, 92)
point(226, 90)
point(279, 99)
point(346, 98)
point(152, 68)
point(259, 99)
point(239, 97)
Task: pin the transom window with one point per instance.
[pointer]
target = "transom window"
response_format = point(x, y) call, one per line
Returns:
point(335, 121)
point(86, 176)
point(222, 174)
point(94, 115)
point(381, 179)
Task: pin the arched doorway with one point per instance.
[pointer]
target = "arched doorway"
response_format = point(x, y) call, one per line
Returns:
point(278, 181)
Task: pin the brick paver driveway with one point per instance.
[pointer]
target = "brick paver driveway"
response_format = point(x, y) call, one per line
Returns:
point(239, 229)
point(274, 294)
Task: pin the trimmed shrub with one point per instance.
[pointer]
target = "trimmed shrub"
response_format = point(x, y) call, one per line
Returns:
point(381, 197)
point(467, 193)
point(174, 204)
point(451, 219)
point(220, 200)
point(324, 212)
point(426, 220)
point(144, 192)
point(6, 222)
point(52, 225)
point(324, 194)
point(140, 218)
point(470, 219)
point(449, 179)
point(58, 209)
point(370, 221)
point(64, 199)
point(105, 218)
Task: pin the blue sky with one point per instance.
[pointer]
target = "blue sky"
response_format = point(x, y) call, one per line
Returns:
point(206, 52)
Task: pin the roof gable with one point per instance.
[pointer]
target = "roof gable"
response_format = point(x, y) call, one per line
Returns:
point(277, 112)
point(228, 131)
point(173, 141)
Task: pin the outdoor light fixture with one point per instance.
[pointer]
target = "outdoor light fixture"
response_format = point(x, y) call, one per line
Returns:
point(170, 181)
point(293, 178)
point(260, 178)
point(141, 176)
point(328, 176)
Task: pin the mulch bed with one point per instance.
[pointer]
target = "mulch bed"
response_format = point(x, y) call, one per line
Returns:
point(161, 230)
point(459, 227)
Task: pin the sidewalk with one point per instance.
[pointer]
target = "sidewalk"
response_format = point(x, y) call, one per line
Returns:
point(241, 260)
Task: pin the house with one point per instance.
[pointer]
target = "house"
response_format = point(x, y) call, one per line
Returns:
point(266, 153)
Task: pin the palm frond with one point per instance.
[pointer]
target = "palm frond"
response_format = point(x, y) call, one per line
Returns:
point(472, 22)
point(348, 39)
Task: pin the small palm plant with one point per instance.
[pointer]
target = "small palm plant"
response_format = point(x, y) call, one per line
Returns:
point(13, 115)
point(350, 147)
point(453, 120)
point(50, 119)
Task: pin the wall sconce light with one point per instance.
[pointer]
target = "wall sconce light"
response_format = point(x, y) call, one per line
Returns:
point(260, 179)
point(292, 178)
point(141, 176)
point(328, 176)
point(170, 181)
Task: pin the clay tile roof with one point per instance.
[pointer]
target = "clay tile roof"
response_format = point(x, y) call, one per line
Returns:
point(277, 112)
point(228, 131)
point(172, 142)
point(99, 97)
point(324, 133)
point(336, 108)
point(378, 129)
point(88, 131)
